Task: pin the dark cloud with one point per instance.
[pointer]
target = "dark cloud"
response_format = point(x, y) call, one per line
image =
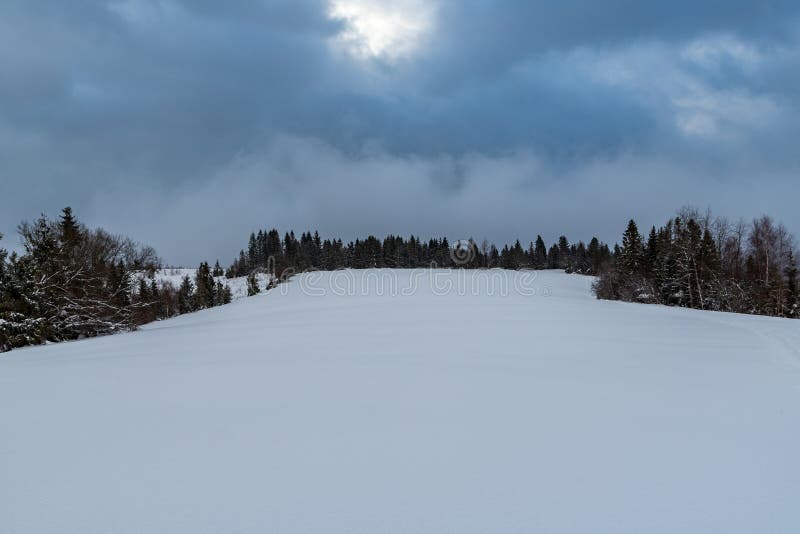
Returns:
point(142, 114)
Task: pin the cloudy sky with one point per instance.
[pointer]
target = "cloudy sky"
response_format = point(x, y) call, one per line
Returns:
point(188, 123)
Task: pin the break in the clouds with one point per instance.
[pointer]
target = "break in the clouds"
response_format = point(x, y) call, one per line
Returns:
point(189, 123)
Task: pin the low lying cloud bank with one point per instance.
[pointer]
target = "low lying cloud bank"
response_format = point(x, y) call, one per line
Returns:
point(298, 183)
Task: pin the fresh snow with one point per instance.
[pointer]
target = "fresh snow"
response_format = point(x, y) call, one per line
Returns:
point(409, 401)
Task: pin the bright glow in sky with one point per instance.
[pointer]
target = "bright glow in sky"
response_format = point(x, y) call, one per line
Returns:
point(388, 29)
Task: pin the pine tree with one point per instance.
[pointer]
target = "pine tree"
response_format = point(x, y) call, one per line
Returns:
point(518, 256)
point(122, 285)
point(580, 261)
point(493, 256)
point(204, 287)
point(220, 294)
point(252, 252)
point(252, 285)
point(155, 296)
point(553, 259)
point(540, 253)
point(223, 293)
point(69, 228)
point(651, 251)
point(597, 255)
point(185, 296)
point(144, 291)
point(563, 252)
point(631, 254)
point(20, 318)
point(242, 267)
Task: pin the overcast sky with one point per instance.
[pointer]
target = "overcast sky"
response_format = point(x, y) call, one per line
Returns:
point(188, 123)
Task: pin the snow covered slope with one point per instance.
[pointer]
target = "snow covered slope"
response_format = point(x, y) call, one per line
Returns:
point(396, 401)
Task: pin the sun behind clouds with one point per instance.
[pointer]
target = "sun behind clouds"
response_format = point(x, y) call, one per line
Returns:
point(385, 29)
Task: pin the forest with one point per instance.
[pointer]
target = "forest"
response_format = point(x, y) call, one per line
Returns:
point(697, 261)
point(72, 282)
point(266, 250)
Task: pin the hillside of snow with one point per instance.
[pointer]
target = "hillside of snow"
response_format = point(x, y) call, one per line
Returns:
point(410, 401)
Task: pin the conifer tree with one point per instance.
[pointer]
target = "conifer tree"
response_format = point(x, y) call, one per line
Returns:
point(144, 291)
point(553, 257)
point(69, 228)
point(632, 252)
point(540, 253)
point(494, 256)
point(186, 296)
point(155, 296)
point(224, 294)
point(651, 251)
point(597, 255)
point(204, 287)
point(252, 285)
point(121, 286)
point(563, 252)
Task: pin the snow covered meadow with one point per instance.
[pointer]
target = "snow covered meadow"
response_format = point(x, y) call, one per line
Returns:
point(410, 401)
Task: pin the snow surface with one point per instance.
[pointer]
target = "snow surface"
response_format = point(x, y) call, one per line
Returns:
point(368, 401)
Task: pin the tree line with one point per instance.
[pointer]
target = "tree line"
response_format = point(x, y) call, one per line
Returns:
point(699, 261)
point(72, 282)
point(201, 291)
point(268, 251)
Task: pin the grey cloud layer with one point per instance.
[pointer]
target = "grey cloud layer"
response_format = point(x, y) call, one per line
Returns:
point(106, 102)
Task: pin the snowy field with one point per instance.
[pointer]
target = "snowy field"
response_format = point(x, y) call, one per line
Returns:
point(395, 401)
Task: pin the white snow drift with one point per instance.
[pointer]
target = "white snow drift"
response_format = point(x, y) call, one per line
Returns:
point(441, 408)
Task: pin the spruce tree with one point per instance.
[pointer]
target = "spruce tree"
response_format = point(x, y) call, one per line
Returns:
point(155, 296)
point(651, 251)
point(631, 254)
point(596, 256)
point(204, 287)
point(564, 252)
point(540, 253)
point(185, 296)
point(144, 291)
point(223, 294)
point(68, 227)
point(553, 259)
point(122, 292)
point(252, 285)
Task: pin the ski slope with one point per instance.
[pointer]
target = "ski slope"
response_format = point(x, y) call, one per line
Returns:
point(403, 401)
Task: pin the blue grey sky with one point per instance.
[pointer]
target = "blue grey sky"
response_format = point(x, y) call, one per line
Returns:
point(187, 124)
